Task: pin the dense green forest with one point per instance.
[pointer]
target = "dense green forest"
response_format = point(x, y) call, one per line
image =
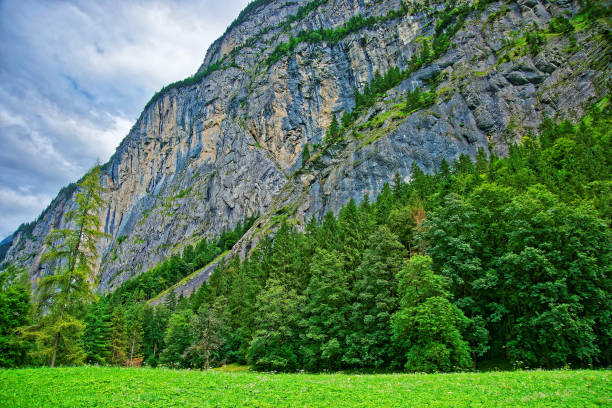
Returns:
point(504, 260)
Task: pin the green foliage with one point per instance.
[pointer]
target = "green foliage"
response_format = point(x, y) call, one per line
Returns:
point(274, 346)
point(326, 313)
point(428, 327)
point(534, 40)
point(178, 338)
point(305, 154)
point(498, 239)
point(508, 259)
point(431, 332)
point(15, 313)
point(210, 329)
point(560, 25)
point(119, 337)
point(368, 344)
point(155, 325)
point(333, 132)
point(97, 335)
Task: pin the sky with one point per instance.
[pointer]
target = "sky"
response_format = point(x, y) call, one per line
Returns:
point(75, 75)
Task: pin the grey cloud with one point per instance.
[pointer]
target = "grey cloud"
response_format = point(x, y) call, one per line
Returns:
point(74, 75)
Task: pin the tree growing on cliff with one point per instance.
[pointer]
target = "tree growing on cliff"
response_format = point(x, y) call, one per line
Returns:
point(63, 295)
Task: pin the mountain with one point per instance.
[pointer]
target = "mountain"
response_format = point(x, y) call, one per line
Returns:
point(369, 88)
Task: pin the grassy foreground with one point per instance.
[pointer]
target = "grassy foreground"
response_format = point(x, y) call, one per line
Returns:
point(124, 387)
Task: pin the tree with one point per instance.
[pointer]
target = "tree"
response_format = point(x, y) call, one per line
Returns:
point(63, 295)
point(275, 343)
point(326, 312)
point(209, 327)
point(155, 325)
point(118, 337)
point(15, 313)
point(375, 293)
point(178, 338)
point(431, 333)
point(97, 335)
point(333, 131)
point(135, 333)
point(427, 328)
point(305, 154)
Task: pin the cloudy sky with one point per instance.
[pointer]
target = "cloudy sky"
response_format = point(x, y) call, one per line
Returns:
point(75, 75)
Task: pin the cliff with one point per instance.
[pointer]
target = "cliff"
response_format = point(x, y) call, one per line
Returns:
point(227, 143)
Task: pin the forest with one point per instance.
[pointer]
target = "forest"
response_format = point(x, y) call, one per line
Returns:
point(503, 261)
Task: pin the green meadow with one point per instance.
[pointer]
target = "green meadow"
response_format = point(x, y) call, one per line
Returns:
point(127, 387)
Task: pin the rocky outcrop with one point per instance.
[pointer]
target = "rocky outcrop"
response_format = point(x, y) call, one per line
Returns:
point(203, 156)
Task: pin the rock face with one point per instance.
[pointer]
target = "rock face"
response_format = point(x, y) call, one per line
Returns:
point(205, 155)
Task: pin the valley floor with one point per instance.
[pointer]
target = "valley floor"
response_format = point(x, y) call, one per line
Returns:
point(124, 387)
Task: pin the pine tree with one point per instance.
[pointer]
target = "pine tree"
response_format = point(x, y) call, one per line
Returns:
point(369, 344)
point(97, 335)
point(63, 295)
point(326, 312)
point(118, 337)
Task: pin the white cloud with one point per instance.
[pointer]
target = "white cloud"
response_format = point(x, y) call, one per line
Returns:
point(74, 76)
point(19, 203)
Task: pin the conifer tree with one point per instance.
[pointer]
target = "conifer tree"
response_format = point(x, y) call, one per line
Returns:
point(305, 154)
point(118, 337)
point(326, 312)
point(97, 335)
point(375, 293)
point(155, 324)
point(333, 131)
point(64, 294)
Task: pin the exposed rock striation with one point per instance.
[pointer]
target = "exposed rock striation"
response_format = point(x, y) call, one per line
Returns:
point(205, 155)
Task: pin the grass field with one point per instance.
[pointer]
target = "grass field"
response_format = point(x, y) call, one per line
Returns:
point(124, 387)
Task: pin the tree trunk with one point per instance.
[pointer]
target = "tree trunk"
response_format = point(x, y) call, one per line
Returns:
point(55, 344)
point(132, 349)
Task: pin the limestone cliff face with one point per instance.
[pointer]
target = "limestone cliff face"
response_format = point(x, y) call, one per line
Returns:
point(203, 156)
